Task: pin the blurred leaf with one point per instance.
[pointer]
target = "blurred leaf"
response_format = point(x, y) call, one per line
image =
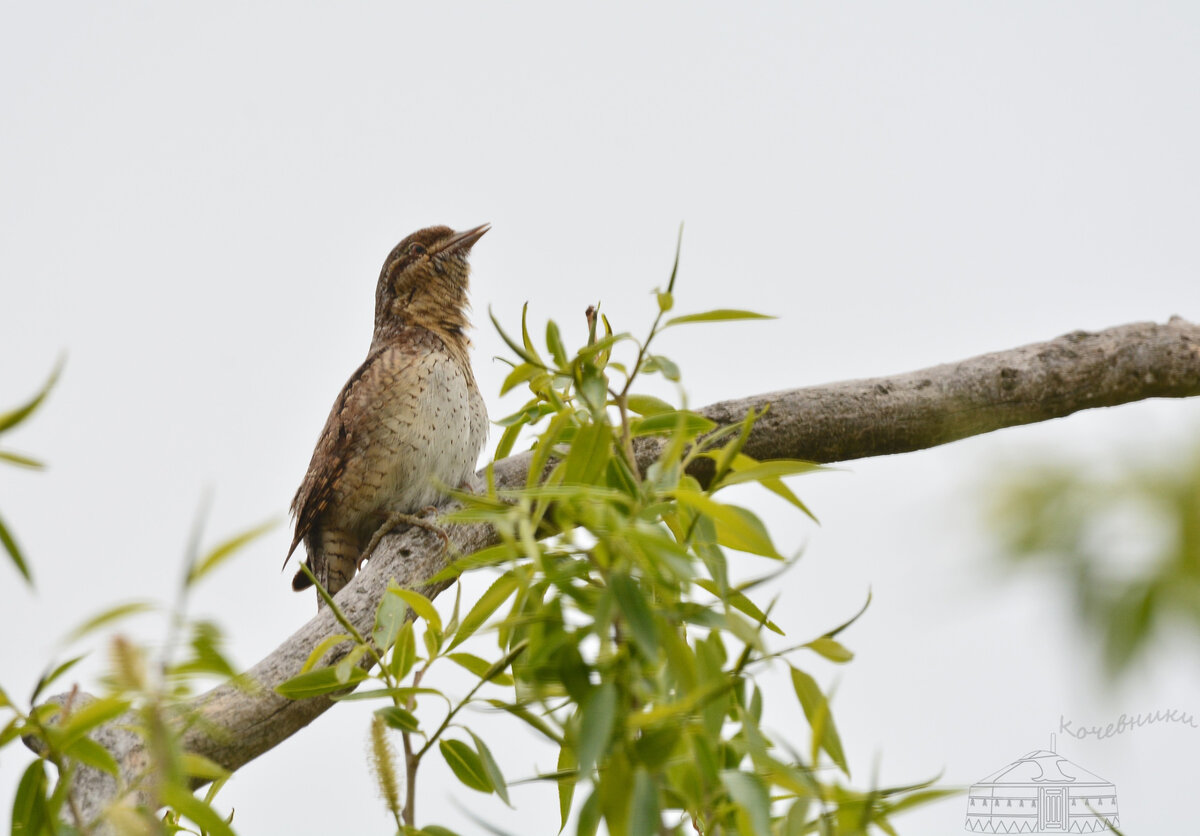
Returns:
point(719, 315)
point(96, 713)
point(466, 765)
point(90, 753)
point(500, 591)
point(831, 649)
point(644, 817)
point(107, 617)
point(29, 813)
point(398, 718)
point(482, 668)
point(648, 405)
point(13, 417)
point(317, 683)
point(599, 715)
point(198, 766)
point(195, 809)
point(632, 600)
point(816, 709)
point(566, 784)
point(225, 550)
point(20, 460)
point(14, 553)
point(555, 344)
point(50, 676)
point(520, 374)
point(750, 794)
point(664, 365)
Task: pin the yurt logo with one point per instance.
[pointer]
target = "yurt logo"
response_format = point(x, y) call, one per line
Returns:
point(1042, 792)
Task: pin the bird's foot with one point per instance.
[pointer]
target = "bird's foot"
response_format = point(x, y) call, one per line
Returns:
point(396, 518)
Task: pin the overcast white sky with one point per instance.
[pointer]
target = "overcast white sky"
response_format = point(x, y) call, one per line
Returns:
point(196, 202)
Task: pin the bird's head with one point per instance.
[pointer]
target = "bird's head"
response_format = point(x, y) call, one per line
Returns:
point(424, 282)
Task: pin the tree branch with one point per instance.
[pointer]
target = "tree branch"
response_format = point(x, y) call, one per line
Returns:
point(834, 422)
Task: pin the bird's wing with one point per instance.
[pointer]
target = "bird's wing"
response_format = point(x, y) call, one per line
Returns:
point(350, 418)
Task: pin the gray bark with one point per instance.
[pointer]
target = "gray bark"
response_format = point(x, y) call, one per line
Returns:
point(828, 423)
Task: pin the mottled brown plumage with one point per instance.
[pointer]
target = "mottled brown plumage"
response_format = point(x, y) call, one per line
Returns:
point(408, 423)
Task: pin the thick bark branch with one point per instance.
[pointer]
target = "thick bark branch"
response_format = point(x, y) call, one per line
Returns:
point(834, 422)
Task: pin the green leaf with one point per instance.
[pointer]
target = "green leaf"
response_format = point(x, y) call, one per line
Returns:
point(20, 460)
point(389, 618)
point(555, 344)
point(719, 315)
point(689, 423)
point(599, 714)
point(465, 764)
point(589, 455)
point(666, 301)
point(198, 766)
point(816, 709)
point(404, 652)
point(675, 265)
point(318, 682)
point(648, 405)
point(13, 417)
point(95, 713)
point(831, 649)
point(421, 605)
point(495, 776)
point(529, 718)
point(47, 678)
point(401, 694)
point(29, 814)
point(225, 550)
point(500, 591)
point(90, 753)
point(318, 653)
point(519, 350)
point(507, 439)
point(520, 374)
point(107, 617)
point(482, 668)
point(644, 818)
point(740, 602)
point(398, 718)
point(737, 528)
point(632, 600)
point(750, 794)
point(659, 363)
point(566, 784)
point(201, 813)
point(343, 670)
point(14, 553)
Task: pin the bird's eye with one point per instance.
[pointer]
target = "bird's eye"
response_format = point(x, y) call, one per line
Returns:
point(416, 249)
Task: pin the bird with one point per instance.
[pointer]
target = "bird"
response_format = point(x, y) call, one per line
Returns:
point(409, 423)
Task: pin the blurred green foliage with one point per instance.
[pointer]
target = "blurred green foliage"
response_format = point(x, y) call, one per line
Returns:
point(1127, 538)
point(8, 421)
point(144, 690)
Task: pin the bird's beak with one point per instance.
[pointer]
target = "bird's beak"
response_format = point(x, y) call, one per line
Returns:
point(465, 240)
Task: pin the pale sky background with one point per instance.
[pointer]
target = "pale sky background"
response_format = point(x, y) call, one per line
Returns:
point(195, 203)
